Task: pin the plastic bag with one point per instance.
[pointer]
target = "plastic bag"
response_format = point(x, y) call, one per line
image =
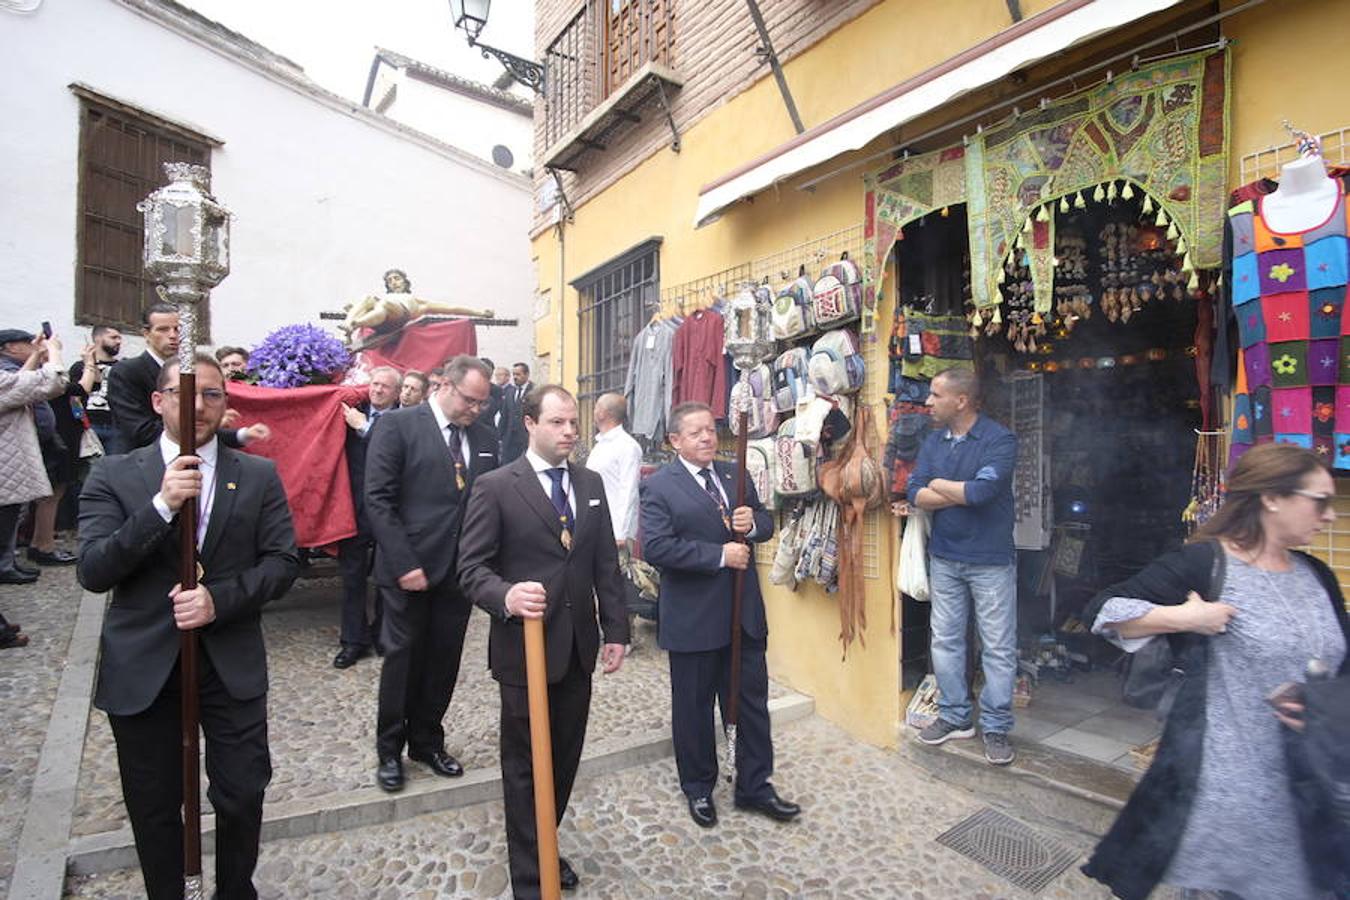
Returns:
point(911, 574)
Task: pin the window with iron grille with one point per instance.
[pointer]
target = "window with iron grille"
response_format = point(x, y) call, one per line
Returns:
point(616, 301)
point(122, 156)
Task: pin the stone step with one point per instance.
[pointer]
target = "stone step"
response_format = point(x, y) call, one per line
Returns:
point(111, 850)
point(1064, 789)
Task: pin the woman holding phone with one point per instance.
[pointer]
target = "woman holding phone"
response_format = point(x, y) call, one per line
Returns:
point(1245, 613)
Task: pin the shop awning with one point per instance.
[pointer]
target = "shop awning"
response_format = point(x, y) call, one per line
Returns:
point(1062, 26)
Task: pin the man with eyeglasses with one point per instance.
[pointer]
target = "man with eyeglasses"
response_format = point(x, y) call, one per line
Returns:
point(129, 545)
point(420, 465)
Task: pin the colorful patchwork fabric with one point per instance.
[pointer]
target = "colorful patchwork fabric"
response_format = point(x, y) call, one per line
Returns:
point(1288, 293)
point(945, 342)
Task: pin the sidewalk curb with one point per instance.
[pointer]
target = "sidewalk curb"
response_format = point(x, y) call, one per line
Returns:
point(112, 850)
point(40, 862)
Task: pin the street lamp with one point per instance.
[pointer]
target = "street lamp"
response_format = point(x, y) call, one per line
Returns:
point(187, 250)
point(471, 16)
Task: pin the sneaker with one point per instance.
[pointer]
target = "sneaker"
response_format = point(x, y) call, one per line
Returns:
point(997, 748)
point(941, 731)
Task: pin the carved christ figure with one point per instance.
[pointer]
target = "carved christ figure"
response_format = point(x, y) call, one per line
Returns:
point(397, 306)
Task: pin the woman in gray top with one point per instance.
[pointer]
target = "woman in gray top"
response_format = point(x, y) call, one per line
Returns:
point(1245, 612)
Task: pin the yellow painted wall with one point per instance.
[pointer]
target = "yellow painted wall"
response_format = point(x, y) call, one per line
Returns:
point(891, 42)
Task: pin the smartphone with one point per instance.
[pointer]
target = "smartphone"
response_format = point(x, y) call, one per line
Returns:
point(47, 330)
point(1289, 691)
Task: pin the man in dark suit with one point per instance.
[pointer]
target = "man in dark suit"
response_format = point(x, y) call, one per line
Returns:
point(420, 465)
point(357, 635)
point(132, 382)
point(538, 542)
point(513, 433)
point(689, 532)
point(129, 544)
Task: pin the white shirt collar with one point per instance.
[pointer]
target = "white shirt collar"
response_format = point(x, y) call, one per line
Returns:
point(695, 469)
point(155, 356)
point(442, 421)
point(168, 448)
point(612, 434)
point(541, 465)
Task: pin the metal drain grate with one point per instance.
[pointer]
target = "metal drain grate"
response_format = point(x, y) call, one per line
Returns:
point(1010, 849)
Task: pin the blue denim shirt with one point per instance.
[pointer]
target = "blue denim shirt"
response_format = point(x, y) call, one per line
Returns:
point(980, 532)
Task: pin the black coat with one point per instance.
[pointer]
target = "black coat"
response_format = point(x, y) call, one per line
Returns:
point(1135, 854)
point(130, 384)
point(682, 535)
point(514, 436)
point(248, 559)
point(512, 534)
point(412, 502)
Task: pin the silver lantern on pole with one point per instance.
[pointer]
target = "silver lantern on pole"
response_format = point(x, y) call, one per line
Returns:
point(187, 251)
point(748, 321)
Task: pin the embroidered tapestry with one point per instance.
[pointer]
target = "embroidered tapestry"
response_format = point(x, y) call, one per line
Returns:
point(1161, 130)
point(901, 193)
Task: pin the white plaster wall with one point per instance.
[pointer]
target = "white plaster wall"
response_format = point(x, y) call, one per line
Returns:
point(323, 201)
point(463, 121)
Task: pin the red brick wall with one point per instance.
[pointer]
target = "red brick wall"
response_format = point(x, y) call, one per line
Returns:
point(714, 44)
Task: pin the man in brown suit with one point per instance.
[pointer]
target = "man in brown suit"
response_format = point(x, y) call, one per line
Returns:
point(537, 542)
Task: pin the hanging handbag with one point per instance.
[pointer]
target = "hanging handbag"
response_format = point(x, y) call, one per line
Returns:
point(1155, 674)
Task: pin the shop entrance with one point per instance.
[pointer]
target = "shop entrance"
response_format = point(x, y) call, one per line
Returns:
point(1104, 395)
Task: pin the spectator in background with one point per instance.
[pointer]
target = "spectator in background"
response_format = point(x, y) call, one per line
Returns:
point(57, 459)
point(492, 415)
point(435, 379)
point(512, 430)
point(500, 376)
point(358, 632)
point(38, 377)
point(233, 361)
point(131, 384)
point(91, 373)
point(617, 458)
point(414, 389)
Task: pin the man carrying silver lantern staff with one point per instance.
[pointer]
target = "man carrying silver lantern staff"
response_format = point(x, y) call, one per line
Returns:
point(690, 532)
point(129, 545)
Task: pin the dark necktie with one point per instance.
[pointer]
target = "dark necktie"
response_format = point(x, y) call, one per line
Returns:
point(457, 455)
point(711, 487)
point(559, 498)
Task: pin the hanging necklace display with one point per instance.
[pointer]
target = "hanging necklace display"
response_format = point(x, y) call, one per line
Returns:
point(1207, 479)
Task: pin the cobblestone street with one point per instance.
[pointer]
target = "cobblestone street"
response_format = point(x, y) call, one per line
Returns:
point(867, 831)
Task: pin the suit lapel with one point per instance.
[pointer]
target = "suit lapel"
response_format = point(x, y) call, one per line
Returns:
point(697, 493)
point(532, 492)
point(228, 470)
point(151, 462)
point(583, 500)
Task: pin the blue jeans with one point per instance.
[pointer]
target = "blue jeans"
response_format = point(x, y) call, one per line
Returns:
point(994, 589)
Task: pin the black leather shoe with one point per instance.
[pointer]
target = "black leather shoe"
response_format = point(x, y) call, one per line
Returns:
point(702, 811)
point(348, 655)
point(15, 576)
point(27, 570)
point(52, 558)
point(773, 806)
point(390, 774)
point(569, 879)
point(440, 762)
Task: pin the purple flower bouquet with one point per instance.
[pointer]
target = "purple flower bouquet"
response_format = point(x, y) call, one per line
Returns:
point(298, 355)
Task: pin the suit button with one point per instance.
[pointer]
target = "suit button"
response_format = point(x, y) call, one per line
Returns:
point(568, 604)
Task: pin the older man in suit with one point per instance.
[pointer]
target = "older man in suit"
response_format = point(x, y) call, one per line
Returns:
point(129, 545)
point(538, 543)
point(690, 532)
point(420, 465)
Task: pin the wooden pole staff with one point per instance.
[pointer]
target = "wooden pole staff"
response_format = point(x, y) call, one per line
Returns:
point(187, 648)
point(732, 712)
point(541, 759)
